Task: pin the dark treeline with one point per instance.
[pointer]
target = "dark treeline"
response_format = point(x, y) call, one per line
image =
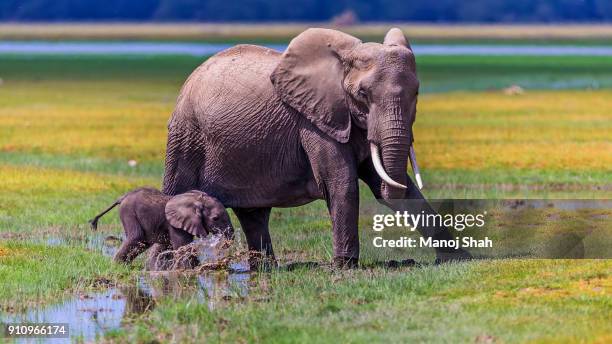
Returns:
point(308, 10)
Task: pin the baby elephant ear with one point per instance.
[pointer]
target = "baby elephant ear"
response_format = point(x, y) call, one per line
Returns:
point(184, 211)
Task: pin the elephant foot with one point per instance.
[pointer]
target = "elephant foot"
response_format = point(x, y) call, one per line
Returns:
point(260, 262)
point(345, 263)
point(452, 256)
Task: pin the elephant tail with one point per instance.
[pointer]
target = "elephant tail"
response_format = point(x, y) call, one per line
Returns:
point(181, 165)
point(173, 156)
point(94, 222)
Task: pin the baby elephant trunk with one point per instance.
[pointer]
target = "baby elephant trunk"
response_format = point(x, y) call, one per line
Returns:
point(227, 232)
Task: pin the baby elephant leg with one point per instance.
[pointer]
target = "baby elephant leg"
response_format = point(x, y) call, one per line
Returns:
point(129, 250)
point(155, 262)
point(135, 242)
point(179, 238)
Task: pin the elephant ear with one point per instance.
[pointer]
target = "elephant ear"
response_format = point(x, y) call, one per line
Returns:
point(395, 36)
point(184, 211)
point(309, 79)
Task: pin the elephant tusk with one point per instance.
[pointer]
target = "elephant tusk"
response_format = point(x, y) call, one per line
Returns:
point(415, 168)
point(380, 170)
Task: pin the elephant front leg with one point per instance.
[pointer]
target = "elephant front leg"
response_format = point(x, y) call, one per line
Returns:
point(178, 239)
point(343, 205)
point(334, 167)
point(155, 261)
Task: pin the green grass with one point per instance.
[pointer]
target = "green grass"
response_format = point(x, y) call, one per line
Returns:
point(165, 70)
point(512, 301)
point(448, 73)
point(34, 274)
point(437, 73)
point(69, 125)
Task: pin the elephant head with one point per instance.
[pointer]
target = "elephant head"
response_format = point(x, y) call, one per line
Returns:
point(336, 81)
point(199, 214)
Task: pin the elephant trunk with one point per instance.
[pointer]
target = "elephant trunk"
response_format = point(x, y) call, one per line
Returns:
point(395, 145)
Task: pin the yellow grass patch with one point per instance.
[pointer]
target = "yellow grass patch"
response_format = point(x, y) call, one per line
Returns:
point(8, 252)
point(558, 130)
point(583, 287)
point(32, 180)
point(545, 281)
point(111, 120)
point(538, 130)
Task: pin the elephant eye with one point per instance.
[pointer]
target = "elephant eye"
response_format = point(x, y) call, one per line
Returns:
point(362, 93)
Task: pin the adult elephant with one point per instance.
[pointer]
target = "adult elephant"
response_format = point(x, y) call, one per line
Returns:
point(259, 129)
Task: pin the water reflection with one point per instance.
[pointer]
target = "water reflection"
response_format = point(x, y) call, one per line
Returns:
point(103, 243)
point(220, 288)
point(88, 315)
point(107, 244)
point(211, 288)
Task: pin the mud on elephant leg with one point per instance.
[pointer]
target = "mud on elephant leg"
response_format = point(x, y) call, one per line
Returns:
point(254, 224)
point(417, 204)
point(180, 238)
point(129, 250)
point(154, 261)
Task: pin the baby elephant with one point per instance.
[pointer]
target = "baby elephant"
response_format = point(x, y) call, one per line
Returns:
point(150, 217)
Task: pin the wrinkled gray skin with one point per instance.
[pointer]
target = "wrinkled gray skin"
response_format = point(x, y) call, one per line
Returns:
point(260, 129)
point(151, 218)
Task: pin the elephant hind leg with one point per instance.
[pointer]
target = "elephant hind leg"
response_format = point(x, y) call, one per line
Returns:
point(180, 238)
point(254, 224)
point(135, 242)
point(129, 250)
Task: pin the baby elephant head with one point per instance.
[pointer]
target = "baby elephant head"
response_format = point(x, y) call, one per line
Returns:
point(199, 214)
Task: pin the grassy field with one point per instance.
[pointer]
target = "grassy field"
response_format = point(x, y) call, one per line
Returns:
point(271, 32)
point(69, 125)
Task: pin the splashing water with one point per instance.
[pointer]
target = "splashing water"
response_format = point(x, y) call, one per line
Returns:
point(212, 248)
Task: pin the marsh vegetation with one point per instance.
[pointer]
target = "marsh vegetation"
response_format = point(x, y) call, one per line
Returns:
point(69, 127)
